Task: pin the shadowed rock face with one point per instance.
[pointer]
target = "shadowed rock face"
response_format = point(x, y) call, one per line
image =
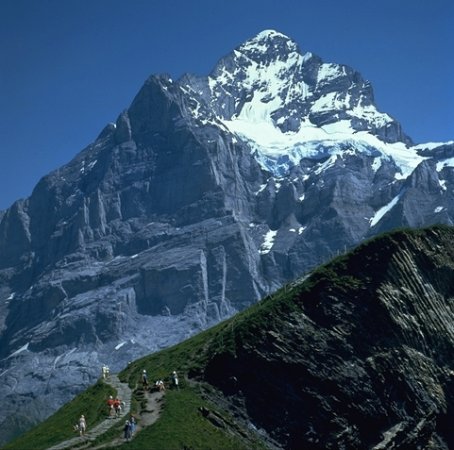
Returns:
point(171, 221)
point(363, 358)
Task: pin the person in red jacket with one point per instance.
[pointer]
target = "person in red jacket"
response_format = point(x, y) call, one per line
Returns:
point(117, 407)
point(110, 405)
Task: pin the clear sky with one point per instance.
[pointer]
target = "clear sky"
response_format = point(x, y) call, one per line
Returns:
point(68, 67)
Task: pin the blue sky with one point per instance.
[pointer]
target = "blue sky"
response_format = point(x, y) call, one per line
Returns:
point(68, 67)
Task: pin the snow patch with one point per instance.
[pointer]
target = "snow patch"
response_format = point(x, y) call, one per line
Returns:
point(92, 164)
point(329, 72)
point(117, 347)
point(330, 162)
point(328, 102)
point(377, 164)
point(431, 145)
point(277, 152)
point(268, 242)
point(262, 187)
point(449, 162)
point(22, 349)
point(382, 211)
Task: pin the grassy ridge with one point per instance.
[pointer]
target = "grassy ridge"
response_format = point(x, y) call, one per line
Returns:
point(181, 424)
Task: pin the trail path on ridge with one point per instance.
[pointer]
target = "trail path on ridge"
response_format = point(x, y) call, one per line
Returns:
point(146, 417)
point(124, 393)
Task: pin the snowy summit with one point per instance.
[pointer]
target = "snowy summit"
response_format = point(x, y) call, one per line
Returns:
point(284, 103)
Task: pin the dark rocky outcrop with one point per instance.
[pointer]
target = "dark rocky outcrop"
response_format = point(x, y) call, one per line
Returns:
point(360, 355)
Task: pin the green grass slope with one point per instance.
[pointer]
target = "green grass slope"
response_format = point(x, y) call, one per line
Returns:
point(59, 426)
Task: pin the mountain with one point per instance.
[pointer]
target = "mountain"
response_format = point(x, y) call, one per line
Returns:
point(357, 355)
point(207, 194)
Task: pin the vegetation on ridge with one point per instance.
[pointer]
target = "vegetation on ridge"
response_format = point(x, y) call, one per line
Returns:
point(182, 423)
point(59, 427)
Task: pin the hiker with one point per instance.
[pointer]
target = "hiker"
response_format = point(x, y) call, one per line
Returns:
point(110, 405)
point(82, 425)
point(133, 423)
point(105, 371)
point(144, 380)
point(160, 385)
point(127, 430)
point(175, 379)
point(117, 406)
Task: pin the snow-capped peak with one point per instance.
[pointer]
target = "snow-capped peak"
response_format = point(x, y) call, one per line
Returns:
point(270, 75)
point(266, 35)
point(268, 44)
point(265, 73)
point(284, 103)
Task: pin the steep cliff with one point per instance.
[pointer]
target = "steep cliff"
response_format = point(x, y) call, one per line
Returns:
point(360, 355)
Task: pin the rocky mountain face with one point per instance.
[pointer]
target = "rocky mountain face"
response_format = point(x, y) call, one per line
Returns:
point(357, 356)
point(207, 194)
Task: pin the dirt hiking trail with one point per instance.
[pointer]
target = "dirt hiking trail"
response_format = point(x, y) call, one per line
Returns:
point(150, 410)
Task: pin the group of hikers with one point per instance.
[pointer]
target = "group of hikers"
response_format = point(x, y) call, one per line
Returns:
point(115, 405)
point(129, 428)
point(105, 371)
point(159, 384)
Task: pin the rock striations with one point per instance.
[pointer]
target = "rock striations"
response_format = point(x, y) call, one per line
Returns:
point(359, 355)
point(207, 194)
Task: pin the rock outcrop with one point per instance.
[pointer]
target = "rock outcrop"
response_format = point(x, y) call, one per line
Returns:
point(359, 355)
